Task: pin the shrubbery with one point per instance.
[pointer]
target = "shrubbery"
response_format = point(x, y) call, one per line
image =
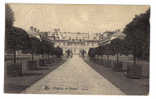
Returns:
point(18, 39)
point(136, 41)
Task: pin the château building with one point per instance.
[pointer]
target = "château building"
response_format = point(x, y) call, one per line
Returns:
point(76, 41)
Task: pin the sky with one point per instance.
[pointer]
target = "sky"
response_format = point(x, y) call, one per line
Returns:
point(75, 18)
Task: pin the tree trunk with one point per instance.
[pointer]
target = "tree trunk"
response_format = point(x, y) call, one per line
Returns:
point(117, 58)
point(14, 53)
point(48, 56)
point(107, 57)
point(42, 56)
point(134, 59)
point(32, 56)
point(134, 55)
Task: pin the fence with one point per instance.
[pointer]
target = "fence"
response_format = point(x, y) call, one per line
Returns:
point(126, 62)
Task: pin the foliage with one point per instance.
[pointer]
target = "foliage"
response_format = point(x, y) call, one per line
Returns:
point(108, 49)
point(9, 17)
point(116, 45)
point(92, 52)
point(99, 50)
point(17, 39)
point(58, 52)
point(138, 35)
point(46, 47)
point(34, 45)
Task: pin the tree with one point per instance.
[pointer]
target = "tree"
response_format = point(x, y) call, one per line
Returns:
point(108, 50)
point(34, 46)
point(92, 52)
point(58, 51)
point(116, 46)
point(43, 47)
point(99, 50)
point(137, 36)
point(50, 48)
point(9, 20)
point(17, 39)
point(9, 17)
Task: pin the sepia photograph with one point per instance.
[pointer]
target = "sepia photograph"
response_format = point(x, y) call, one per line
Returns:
point(77, 49)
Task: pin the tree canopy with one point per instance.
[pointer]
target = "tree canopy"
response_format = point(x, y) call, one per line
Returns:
point(138, 35)
point(9, 14)
point(17, 39)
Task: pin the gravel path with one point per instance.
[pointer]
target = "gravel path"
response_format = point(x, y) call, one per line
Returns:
point(74, 77)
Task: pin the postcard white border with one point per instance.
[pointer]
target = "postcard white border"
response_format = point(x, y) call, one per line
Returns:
point(50, 96)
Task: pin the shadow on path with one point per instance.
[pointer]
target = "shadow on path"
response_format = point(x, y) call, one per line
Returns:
point(128, 86)
point(31, 74)
point(20, 83)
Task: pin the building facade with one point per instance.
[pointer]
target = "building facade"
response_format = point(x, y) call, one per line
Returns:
point(75, 41)
point(75, 45)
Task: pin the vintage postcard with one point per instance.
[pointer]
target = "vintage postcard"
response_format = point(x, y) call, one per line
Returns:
point(77, 49)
